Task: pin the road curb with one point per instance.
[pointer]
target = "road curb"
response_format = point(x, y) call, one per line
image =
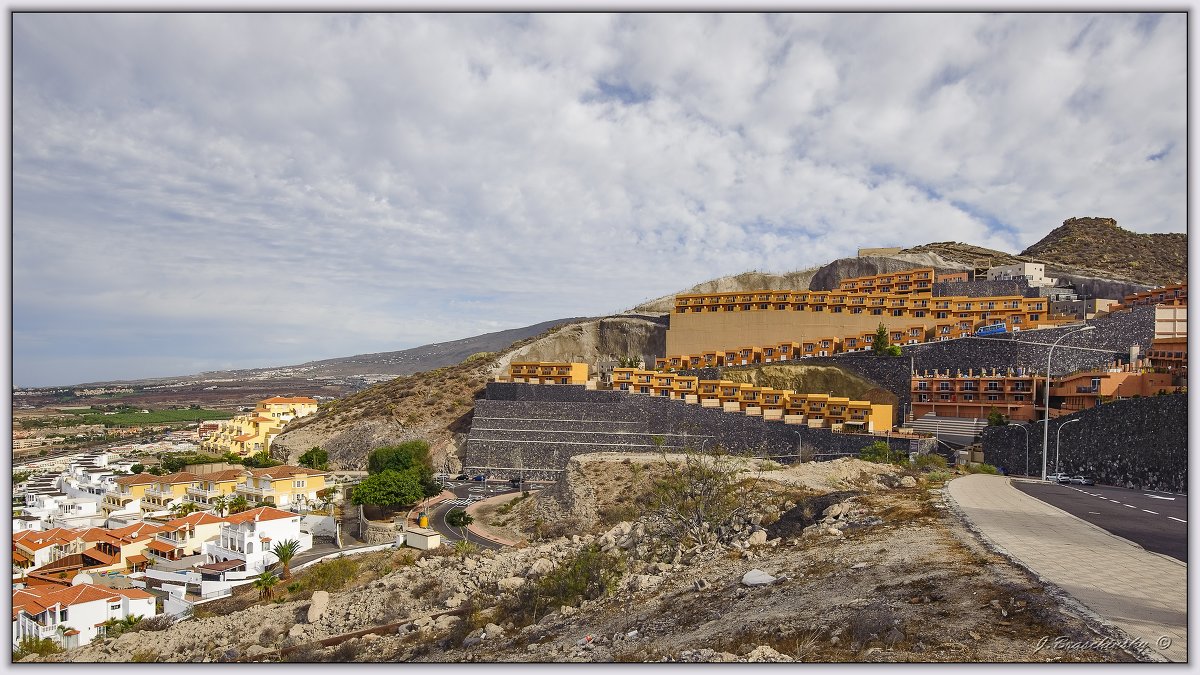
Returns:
point(492, 538)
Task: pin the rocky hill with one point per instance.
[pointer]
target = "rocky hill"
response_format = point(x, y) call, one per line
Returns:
point(745, 281)
point(1099, 244)
point(841, 561)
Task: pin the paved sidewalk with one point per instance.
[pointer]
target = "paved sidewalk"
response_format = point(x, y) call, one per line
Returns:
point(1142, 593)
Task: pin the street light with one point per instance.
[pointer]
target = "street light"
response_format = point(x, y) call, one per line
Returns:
point(1046, 418)
point(1024, 428)
point(1058, 440)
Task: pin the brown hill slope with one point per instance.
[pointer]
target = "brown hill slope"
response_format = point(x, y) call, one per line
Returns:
point(1098, 243)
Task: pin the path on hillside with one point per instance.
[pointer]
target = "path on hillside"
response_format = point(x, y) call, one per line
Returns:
point(1142, 593)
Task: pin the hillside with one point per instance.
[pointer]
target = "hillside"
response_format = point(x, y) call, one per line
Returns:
point(842, 561)
point(1098, 243)
point(745, 281)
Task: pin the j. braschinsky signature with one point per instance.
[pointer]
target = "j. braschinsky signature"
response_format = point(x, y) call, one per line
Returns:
point(1065, 643)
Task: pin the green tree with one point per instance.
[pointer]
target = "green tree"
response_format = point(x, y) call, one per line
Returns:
point(285, 551)
point(21, 476)
point(880, 452)
point(137, 468)
point(996, 419)
point(411, 457)
point(700, 501)
point(265, 583)
point(156, 471)
point(881, 342)
point(238, 504)
point(390, 488)
point(894, 350)
point(220, 503)
point(459, 518)
point(315, 459)
point(629, 361)
point(183, 508)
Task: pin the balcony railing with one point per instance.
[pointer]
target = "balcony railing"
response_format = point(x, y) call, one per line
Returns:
point(249, 489)
point(201, 492)
point(1086, 390)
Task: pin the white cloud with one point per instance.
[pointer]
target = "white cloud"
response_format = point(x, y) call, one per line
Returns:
point(354, 183)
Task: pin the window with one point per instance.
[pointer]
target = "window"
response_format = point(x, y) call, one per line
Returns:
point(993, 397)
point(116, 607)
point(944, 386)
point(945, 397)
point(62, 614)
point(300, 483)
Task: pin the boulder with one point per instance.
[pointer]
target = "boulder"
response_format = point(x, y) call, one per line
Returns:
point(510, 583)
point(764, 654)
point(757, 538)
point(757, 577)
point(908, 482)
point(540, 567)
point(316, 608)
point(255, 651)
point(493, 631)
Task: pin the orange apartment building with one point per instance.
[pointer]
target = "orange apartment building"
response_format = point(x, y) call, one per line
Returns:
point(974, 394)
point(1175, 294)
point(903, 302)
point(1088, 388)
point(546, 372)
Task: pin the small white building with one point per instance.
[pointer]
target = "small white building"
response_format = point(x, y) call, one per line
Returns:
point(73, 615)
point(1034, 273)
point(422, 538)
point(250, 535)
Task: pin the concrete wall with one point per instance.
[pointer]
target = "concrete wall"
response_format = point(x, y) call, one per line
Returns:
point(1137, 443)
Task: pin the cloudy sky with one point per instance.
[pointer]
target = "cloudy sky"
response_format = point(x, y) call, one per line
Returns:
point(198, 192)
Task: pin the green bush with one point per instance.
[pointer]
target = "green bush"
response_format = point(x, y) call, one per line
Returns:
point(588, 575)
point(932, 461)
point(459, 518)
point(881, 453)
point(331, 575)
point(938, 476)
point(32, 645)
point(982, 468)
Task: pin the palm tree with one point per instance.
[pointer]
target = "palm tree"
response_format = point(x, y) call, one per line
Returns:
point(220, 504)
point(265, 583)
point(183, 508)
point(285, 551)
point(238, 504)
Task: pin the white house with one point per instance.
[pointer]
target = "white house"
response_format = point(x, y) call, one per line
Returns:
point(185, 536)
point(1034, 273)
point(248, 536)
point(73, 615)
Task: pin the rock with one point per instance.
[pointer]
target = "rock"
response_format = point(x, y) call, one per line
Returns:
point(662, 567)
point(316, 608)
point(859, 566)
point(757, 577)
point(908, 482)
point(470, 641)
point(510, 583)
point(644, 582)
point(567, 610)
point(757, 538)
point(540, 567)
point(764, 654)
point(493, 631)
point(296, 631)
point(470, 564)
point(833, 531)
point(455, 601)
point(893, 636)
point(835, 641)
point(255, 651)
point(446, 621)
point(700, 584)
point(422, 621)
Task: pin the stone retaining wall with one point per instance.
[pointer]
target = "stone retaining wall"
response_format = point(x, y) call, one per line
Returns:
point(545, 435)
point(1138, 443)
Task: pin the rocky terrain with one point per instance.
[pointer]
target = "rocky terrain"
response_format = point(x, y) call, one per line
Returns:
point(1099, 244)
point(835, 561)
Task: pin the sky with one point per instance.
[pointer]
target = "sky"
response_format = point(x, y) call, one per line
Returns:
point(197, 192)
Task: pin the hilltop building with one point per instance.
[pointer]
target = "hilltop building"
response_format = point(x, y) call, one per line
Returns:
point(251, 434)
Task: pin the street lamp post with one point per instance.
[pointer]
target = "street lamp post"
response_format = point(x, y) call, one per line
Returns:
point(1046, 400)
point(1024, 428)
point(1058, 440)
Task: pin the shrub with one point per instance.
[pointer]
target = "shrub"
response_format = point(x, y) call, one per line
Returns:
point(459, 518)
point(880, 452)
point(331, 575)
point(699, 502)
point(590, 574)
point(32, 645)
point(154, 623)
point(938, 476)
point(982, 468)
point(930, 461)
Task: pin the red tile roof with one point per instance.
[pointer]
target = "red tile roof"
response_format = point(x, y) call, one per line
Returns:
point(294, 399)
point(137, 531)
point(181, 477)
point(263, 513)
point(137, 559)
point(37, 599)
point(218, 476)
point(244, 437)
point(192, 520)
point(161, 546)
point(97, 554)
point(284, 471)
point(137, 479)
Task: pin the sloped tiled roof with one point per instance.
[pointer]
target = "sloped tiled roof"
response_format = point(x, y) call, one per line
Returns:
point(244, 437)
point(137, 531)
point(137, 479)
point(192, 520)
point(263, 513)
point(227, 474)
point(181, 477)
point(284, 471)
point(294, 399)
point(97, 554)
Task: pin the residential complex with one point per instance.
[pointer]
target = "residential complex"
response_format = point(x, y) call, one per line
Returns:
point(543, 372)
point(903, 302)
point(973, 394)
point(252, 433)
point(74, 615)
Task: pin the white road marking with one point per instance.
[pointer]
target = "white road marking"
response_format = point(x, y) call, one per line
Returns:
point(1149, 511)
point(1129, 506)
point(1179, 519)
point(1093, 513)
point(1170, 499)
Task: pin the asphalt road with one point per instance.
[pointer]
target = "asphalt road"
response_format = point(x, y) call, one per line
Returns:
point(1157, 521)
point(462, 489)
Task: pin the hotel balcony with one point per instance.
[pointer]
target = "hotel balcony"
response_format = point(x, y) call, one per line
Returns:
point(202, 493)
point(256, 491)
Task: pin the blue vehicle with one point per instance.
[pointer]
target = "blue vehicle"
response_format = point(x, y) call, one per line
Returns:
point(480, 477)
point(995, 329)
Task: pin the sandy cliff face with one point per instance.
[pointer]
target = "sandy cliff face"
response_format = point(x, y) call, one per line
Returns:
point(592, 341)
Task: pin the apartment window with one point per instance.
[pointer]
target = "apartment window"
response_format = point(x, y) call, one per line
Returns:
point(62, 615)
point(993, 386)
point(922, 386)
point(624, 386)
point(300, 483)
point(116, 606)
point(969, 397)
point(1019, 397)
point(944, 386)
point(993, 397)
point(945, 397)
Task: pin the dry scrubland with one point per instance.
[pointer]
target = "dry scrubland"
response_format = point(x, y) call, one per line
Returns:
point(869, 565)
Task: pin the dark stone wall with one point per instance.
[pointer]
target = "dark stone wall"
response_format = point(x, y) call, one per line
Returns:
point(514, 391)
point(1137, 443)
point(980, 288)
point(523, 428)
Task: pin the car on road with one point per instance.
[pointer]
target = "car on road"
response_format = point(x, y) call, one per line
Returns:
point(479, 478)
point(1058, 478)
point(1082, 480)
point(461, 476)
